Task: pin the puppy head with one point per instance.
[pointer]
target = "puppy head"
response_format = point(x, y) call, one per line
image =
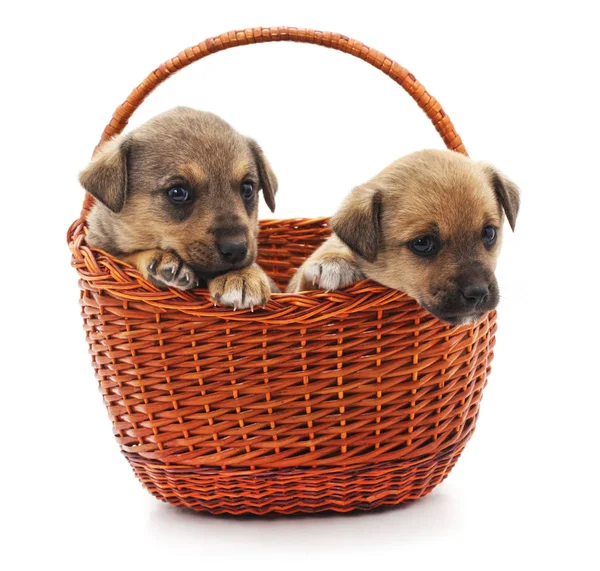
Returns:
point(430, 225)
point(185, 181)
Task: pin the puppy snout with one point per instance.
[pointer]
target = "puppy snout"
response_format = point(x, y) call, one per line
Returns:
point(232, 252)
point(475, 295)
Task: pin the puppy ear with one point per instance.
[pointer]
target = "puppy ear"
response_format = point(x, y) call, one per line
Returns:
point(268, 180)
point(507, 193)
point(358, 222)
point(105, 178)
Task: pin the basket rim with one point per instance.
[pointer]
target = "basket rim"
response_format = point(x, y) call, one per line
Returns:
point(99, 270)
point(112, 274)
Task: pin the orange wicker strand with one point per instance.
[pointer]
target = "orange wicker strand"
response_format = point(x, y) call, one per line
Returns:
point(319, 401)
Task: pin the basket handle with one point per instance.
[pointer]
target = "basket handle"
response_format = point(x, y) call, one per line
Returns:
point(400, 75)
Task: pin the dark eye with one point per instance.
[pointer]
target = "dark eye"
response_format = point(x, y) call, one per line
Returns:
point(488, 235)
point(247, 190)
point(424, 245)
point(178, 194)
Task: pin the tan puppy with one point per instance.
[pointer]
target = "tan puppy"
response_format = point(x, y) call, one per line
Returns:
point(430, 224)
point(178, 199)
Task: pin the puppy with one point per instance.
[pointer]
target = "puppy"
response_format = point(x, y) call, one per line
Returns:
point(178, 198)
point(430, 224)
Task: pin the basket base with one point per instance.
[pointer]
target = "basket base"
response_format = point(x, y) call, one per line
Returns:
point(294, 490)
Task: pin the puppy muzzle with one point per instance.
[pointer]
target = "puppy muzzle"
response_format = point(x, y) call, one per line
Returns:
point(464, 302)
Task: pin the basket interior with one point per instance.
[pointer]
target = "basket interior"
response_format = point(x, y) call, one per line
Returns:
point(284, 245)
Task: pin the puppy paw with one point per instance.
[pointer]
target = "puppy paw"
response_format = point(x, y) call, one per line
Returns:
point(168, 270)
point(332, 274)
point(328, 271)
point(241, 289)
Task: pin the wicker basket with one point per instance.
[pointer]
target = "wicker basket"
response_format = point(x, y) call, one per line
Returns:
point(321, 401)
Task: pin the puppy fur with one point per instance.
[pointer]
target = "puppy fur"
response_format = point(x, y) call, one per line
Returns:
point(438, 195)
point(188, 244)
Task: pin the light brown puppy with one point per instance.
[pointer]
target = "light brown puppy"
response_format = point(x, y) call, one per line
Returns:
point(430, 224)
point(178, 199)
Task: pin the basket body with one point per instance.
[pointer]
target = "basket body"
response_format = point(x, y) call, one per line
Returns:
point(321, 401)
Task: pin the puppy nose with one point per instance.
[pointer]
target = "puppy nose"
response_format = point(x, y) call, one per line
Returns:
point(232, 252)
point(475, 294)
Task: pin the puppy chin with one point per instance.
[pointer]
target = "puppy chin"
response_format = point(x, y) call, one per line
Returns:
point(207, 270)
point(463, 319)
point(457, 319)
point(454, 319)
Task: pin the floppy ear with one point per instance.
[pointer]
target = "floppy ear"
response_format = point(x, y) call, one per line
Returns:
point(358, 222)
point(268, 180)
point(105, 178)
point(507, 193)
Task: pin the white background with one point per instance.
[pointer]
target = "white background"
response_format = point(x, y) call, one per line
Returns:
point(520, 83)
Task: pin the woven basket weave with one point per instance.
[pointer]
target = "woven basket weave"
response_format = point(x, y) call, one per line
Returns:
point(320, 401)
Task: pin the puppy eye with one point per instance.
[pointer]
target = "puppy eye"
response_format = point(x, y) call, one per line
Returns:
point(488, 235)
point(424, 245)
point(178, 194)
point(247, 190)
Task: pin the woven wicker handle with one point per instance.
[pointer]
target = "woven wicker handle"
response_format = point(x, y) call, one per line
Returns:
point(407, 80)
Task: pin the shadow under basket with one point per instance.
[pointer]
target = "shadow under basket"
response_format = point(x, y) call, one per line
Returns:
point(319, 401)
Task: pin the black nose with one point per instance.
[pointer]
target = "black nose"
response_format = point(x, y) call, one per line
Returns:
point(474, 295)
point(232, 252)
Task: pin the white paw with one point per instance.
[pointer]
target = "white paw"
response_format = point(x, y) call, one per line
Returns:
point(241, 289)
point(332, 274)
